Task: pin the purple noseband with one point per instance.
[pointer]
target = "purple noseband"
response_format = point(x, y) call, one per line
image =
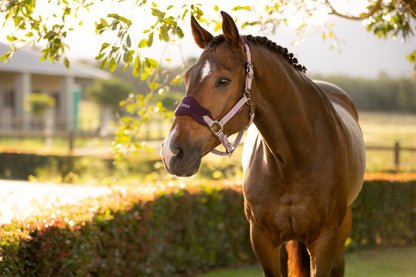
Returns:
point(189, 106)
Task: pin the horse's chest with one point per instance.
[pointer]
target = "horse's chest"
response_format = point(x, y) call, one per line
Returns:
point(284, 215)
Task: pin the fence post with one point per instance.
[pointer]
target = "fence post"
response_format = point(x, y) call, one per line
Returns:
point(71, 142)
point(397, 156)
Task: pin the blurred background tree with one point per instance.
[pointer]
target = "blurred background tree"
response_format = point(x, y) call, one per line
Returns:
point(38, 104)
point(109, 93)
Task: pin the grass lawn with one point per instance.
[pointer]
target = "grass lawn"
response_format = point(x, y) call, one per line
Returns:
point(388, 262)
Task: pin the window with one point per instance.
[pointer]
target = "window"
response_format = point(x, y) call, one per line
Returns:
point(8, 99)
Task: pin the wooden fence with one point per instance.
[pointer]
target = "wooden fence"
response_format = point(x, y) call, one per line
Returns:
point(158, 134)
point(396, 149)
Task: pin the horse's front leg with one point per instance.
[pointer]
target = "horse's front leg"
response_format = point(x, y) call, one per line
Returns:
point(323, 251)
point(266, 252)
point(338, 268)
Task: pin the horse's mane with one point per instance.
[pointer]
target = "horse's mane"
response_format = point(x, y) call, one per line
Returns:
point(269, 44)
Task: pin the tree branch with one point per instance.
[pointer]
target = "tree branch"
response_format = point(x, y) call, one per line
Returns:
point(361, 17)
point(411, 5)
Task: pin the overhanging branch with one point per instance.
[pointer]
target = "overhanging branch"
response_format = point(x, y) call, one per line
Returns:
point(351, 17)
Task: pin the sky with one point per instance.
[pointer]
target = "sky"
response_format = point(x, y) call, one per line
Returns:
point(359, 53)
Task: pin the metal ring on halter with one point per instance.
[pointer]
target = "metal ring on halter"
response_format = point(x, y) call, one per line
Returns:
point(249, 102)
point(218, 125)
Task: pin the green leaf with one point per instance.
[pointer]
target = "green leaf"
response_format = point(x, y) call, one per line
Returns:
point(143, 43)
point(17, 20)
point(412, 57)
point(112, 65)
point(104, 46)
point(125, 20)
point(177, 80)
point(128, 41)
point(164, 33)
point(150, 40)
point(128, 56)
point(66, 62)
point(179, 32)
point(151, 62)
point(145, 74)
point(237, 8)
point(136, 67)
point(160, 15)
point(103, 63)
point(5, 56)
point(153, 85)
point(126, 67)
point(100, 56)
point(103, 22)
point(45, 55)
point(11, 38)
point(114, 15)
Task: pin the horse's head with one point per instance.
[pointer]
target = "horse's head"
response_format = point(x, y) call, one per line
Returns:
point(214, 84)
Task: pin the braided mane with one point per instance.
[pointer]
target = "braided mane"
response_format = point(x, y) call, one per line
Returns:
point(269, 44)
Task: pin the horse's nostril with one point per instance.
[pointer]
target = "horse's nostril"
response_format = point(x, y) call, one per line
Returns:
point(178, 152)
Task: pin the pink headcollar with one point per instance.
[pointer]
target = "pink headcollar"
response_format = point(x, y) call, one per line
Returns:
point(189, 106)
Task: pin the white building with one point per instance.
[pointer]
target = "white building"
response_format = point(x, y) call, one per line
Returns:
point(26, 74)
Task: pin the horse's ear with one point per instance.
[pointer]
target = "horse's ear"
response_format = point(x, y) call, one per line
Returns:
point(201, 36)
point(230, 30)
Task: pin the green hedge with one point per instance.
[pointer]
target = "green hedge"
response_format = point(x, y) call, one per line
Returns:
point(181, 233)
point(384, 214)
point(177, 234)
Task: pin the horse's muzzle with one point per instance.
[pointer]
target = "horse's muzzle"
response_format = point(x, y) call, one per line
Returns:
point(178, 159)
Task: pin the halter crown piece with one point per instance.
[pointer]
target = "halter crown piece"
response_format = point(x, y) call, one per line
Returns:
point(189, 106)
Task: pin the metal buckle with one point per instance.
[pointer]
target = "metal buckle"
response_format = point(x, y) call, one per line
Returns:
point(249, 102)
point(218, 125)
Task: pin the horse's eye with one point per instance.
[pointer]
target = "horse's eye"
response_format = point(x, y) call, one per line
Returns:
point(222, 82)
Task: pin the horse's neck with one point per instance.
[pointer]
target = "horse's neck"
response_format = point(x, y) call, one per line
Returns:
point(290, 111)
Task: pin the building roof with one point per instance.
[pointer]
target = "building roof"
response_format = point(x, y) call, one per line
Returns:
point(25, 60)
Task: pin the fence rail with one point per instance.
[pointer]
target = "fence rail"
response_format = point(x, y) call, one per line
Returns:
point(396, 149)
point(74, 134)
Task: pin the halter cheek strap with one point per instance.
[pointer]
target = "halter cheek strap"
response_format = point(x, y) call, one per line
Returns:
point(189, 106)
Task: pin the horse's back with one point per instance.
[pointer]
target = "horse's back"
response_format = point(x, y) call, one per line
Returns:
point(348, 115)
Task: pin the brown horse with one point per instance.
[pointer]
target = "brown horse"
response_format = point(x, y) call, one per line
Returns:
point(304, 159)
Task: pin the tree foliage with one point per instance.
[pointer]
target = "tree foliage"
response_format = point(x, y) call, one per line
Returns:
point(382, 94)
point(109, 93)
point(38, 104)
point(50, 30)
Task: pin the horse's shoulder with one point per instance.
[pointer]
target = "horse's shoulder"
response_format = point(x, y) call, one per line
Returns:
point(337, 95)
point(252, 144)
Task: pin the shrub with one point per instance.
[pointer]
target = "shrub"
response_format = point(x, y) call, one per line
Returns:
point(178, 233)
point(38, 103)
point(384, 214)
